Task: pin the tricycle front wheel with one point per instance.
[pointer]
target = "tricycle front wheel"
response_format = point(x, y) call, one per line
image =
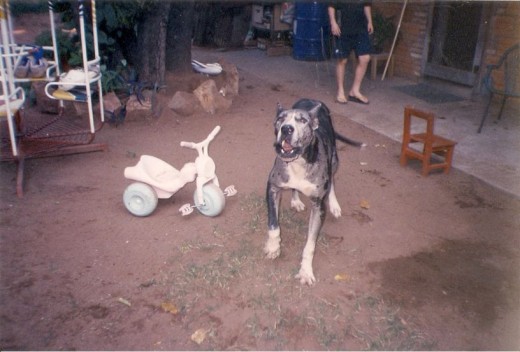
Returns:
point(140, 199)
point(214, 200)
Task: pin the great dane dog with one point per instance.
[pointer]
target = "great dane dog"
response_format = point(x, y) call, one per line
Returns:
point(306, 162)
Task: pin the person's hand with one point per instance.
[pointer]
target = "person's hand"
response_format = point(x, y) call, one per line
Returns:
point(334, 28)
point(370, 28)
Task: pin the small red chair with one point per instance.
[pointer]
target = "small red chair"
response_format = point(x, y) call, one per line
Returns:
point(432, 144)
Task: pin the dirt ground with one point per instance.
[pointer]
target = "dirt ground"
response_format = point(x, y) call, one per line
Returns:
point(414, 263)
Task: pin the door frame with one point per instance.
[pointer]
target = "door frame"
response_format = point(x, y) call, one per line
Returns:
point(468, 78)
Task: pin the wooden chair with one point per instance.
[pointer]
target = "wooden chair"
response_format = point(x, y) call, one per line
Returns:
point(431, 144)
point(503, 79)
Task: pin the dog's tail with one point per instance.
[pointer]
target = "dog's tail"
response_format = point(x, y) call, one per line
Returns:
point(349, 141)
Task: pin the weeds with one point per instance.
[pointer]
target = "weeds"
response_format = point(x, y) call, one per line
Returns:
point(276, 312)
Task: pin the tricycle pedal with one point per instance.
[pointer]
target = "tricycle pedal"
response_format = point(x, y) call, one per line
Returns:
point(186, 209)
point(230, 191)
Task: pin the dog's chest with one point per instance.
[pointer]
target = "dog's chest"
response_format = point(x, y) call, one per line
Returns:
point(297, 179)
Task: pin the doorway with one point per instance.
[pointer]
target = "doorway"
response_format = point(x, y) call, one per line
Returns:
point(456, 40)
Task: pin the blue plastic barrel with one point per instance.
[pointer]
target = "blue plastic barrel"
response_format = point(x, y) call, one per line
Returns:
point(311, 31)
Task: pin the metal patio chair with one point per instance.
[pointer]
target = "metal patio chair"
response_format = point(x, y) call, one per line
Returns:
point(503, 78)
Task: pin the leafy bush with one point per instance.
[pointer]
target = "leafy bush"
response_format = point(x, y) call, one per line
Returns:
point(384, 31)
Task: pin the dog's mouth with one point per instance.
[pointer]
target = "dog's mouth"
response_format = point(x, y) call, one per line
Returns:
point(286, 151)
point(287, 147)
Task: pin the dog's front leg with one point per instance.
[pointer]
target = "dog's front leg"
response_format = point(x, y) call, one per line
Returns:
point(272, 246)
point(306, 274)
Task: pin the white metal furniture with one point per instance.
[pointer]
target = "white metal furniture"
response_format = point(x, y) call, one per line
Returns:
point(56, 135)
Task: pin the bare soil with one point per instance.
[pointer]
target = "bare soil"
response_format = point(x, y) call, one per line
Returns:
point(414, 263)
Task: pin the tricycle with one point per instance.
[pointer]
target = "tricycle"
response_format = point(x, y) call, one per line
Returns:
point(157, 179)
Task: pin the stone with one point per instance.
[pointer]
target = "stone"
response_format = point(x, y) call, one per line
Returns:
point(44, 103)
point(210, 98)
point(184, 103)
point(145, 103)
point(111, 102)
point(231, 79)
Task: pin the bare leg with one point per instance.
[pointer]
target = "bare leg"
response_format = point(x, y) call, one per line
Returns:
point(359, 74)
point(340, 79)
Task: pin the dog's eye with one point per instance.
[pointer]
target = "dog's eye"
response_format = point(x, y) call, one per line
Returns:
point(302, 119)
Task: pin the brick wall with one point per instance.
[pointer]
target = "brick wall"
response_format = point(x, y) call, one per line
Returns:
point(410, 48)
point(503, 31)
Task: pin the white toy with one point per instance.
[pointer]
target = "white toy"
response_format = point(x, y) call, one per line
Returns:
point(208, 69)
point(158, 179)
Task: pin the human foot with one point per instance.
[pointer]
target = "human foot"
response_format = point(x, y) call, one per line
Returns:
point(341, 100)
point(358, 98)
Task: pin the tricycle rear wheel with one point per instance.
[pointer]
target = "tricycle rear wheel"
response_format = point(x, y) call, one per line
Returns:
point(140, 199)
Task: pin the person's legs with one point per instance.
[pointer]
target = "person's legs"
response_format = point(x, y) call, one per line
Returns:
point(340, 80)
point(363, 48)
point(359, 74)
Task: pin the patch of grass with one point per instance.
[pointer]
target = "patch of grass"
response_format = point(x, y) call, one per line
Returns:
point(386, 328)
point(190, 246)
point(256, 207)
point(276, 311)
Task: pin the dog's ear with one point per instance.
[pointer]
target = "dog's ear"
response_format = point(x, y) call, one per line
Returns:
point(279, 108)
point(313, 113)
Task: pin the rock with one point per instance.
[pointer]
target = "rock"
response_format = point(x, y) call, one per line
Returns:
point(229, 86)
point(111, 102)
point(145, 103)
point(210, 99)
point(44, 103)
point(184, 103)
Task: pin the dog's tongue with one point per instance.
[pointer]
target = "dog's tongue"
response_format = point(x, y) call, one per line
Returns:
point(287, 147)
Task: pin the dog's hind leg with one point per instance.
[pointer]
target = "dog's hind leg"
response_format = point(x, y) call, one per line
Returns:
point(306, 274)
point(272, 246)
point(334, 207)
point(296, 203)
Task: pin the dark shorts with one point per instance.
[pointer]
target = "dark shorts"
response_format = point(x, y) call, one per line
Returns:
point(360, 43)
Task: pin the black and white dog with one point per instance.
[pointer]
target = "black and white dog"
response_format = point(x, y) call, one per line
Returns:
point(306, 162)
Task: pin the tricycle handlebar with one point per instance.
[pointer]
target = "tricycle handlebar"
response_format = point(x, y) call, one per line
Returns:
point(205, 142)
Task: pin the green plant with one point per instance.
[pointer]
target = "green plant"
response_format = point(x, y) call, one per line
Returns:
point(384, 31)
point(69, 48)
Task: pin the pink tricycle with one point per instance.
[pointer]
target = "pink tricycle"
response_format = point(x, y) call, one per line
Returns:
point(158, 179)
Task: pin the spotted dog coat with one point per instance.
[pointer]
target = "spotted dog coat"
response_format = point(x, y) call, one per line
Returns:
point(306, 162)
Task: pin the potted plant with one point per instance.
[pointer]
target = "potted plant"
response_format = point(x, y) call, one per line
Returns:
point(384, 31)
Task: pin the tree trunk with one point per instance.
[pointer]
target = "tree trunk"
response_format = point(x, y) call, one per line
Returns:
point(203, 27)
point(152, 42)
point(178, 37)
point(223, 25)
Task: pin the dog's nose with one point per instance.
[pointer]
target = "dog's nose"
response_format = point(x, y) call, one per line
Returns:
point(287, 130)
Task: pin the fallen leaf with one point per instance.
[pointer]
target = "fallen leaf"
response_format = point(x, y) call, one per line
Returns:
point(124, 301)
point(364, 204)
point(342, 277)
point(169, 307)
point(199, 336)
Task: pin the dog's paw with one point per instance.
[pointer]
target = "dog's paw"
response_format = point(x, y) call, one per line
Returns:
point(297, 205)
point(335, 210)
point(306, 277)
point(272, 248)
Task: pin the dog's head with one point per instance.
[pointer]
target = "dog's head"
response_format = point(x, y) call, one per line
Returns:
point(294, 130)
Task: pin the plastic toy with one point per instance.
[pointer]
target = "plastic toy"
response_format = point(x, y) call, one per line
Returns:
point(208, 69)
point(158, 179)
